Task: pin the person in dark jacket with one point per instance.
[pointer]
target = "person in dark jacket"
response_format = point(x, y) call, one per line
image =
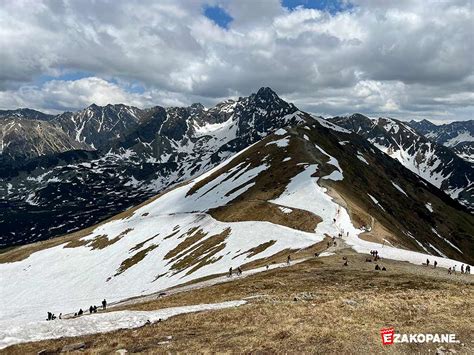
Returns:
point(104, 304)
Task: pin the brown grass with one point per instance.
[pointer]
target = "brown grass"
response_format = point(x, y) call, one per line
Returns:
point(257, 210)
point(194, 235)
point(317, 306)
point(201, 253)
point(129, 262)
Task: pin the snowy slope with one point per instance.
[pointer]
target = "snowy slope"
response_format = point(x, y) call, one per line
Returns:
point(11, 333)
point(176, 238)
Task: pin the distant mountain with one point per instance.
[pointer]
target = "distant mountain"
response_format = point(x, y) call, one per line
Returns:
point(459, 136)
point(25, 138)
point(433, 162)
point(25, 113)
point(97, 126)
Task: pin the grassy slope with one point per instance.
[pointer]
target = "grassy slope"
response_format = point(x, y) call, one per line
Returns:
point(316, 306)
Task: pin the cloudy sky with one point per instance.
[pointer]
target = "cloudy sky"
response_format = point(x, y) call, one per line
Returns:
point(403, 58)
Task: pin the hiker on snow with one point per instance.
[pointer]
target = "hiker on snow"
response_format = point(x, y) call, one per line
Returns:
point(427, 262)
point(435, 264)
point(462, 269)
point(104, 304)
point(230, 272)
point(91, 309)
point(288, 261)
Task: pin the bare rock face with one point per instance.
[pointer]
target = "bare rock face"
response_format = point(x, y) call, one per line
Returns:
point(23, 138)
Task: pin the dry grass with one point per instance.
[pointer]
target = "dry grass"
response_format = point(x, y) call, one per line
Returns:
point(256, 210)
point(129, 262)
point(316, 306)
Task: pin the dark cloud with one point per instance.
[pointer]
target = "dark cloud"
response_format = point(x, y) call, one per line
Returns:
point(402, 59)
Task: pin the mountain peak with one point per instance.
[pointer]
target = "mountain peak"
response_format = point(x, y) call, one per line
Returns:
point(266, 92)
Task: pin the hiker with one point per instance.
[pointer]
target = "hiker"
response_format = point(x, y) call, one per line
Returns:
point(468, 269)
point(60, 316)
point(53, 317)
point(49, 316)
point(435, 264)
point(449, 271)
point(239, 271)
point(267, 266)
point(104, 304)
point(91, 309)
point(384, 269)
point(346, 263)
point(427, 262)
point(316, 255)
point(377, 267)
point(95, 309)
point(230, 272)
point(454, 269)
point(288, 261)
point(80, 312)
point(462, 269)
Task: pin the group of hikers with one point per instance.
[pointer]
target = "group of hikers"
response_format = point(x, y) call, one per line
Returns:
point(466, 270)
point(231, 272)
point(451, 270)
point(375, 254)
point(92, 309)
point(52, 316)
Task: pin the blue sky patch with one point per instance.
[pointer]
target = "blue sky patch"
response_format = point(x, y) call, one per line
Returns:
point(331, 6)
point(218, 15)
point(67, 76)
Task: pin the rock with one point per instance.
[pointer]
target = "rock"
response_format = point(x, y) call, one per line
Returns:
point(73, 347)
point(351, 302)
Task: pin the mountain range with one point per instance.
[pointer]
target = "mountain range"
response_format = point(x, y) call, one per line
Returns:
point(459, 136)
point(434, 162)
point(107, 159)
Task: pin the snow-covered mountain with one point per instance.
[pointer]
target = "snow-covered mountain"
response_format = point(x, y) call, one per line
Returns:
point(97, 126)
point(459, 136)
point(433, 162)
point(287, 191)
point(73, 190)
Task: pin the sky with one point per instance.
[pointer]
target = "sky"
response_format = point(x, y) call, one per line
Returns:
point(405, 59)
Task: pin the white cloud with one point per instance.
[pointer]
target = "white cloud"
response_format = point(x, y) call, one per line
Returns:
point(399, 58)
